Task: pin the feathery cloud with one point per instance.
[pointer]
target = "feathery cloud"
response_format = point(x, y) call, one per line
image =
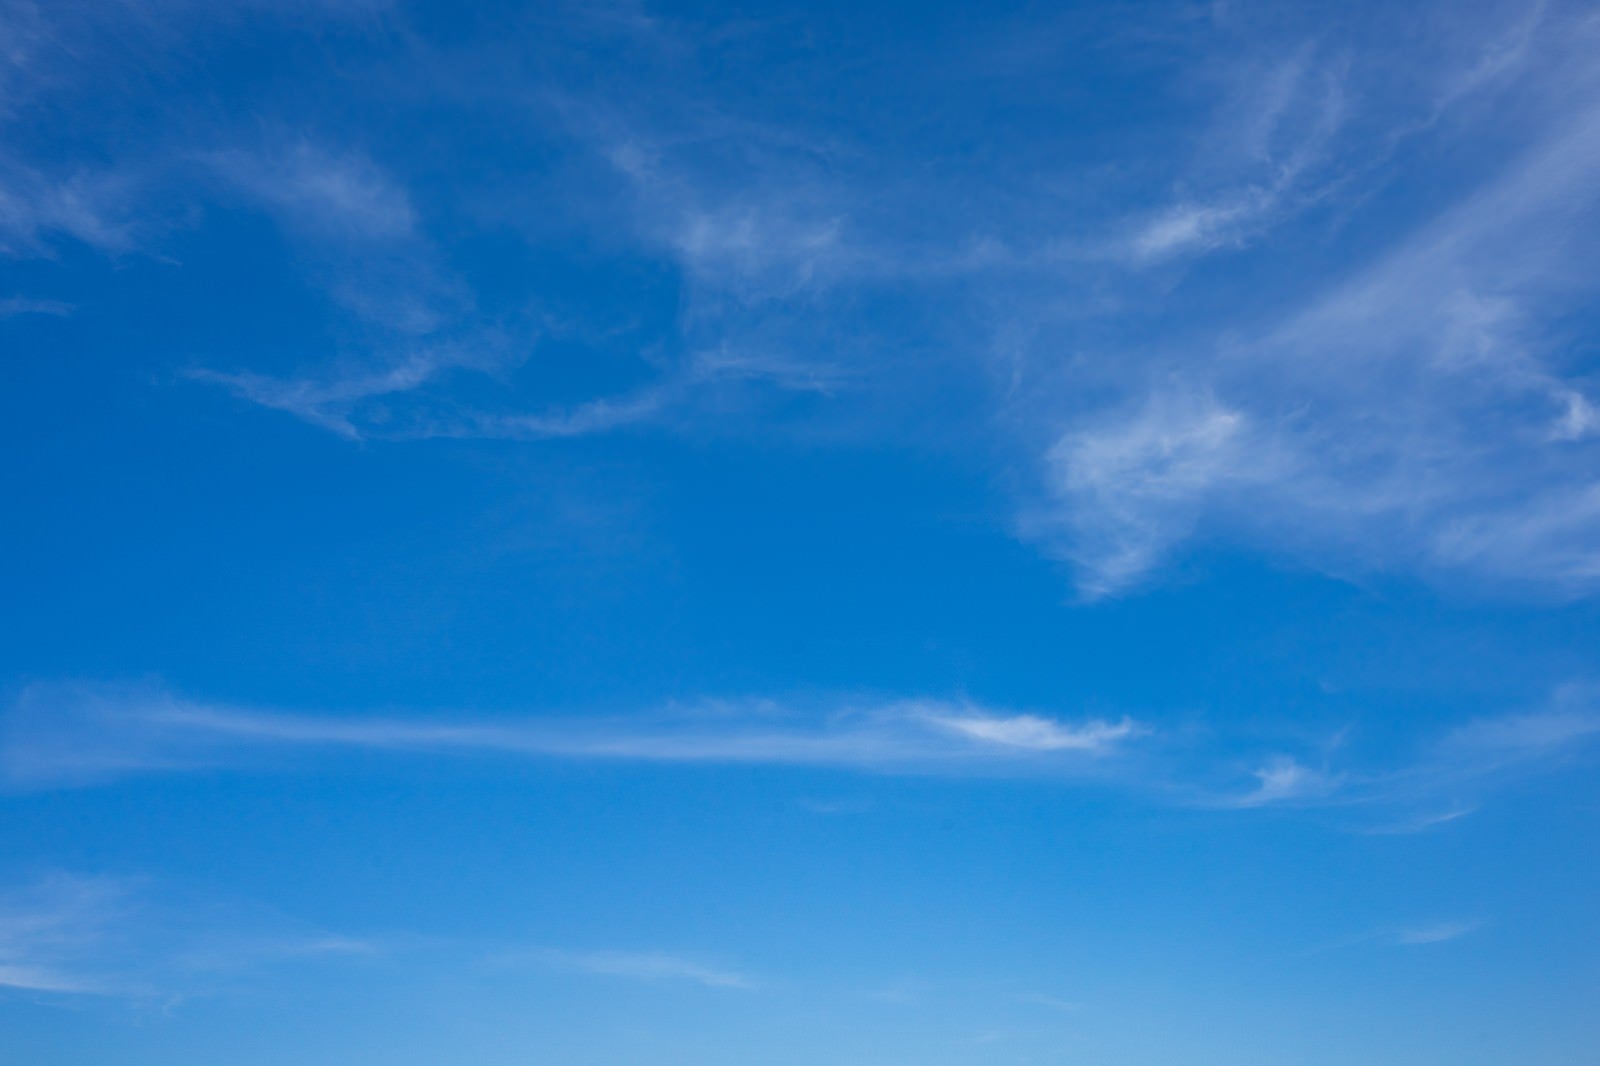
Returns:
point(1284, 780)
point(653, 967)
point(1439, 933)
point(66, 734)
point(68, 935)
point(1414, 415)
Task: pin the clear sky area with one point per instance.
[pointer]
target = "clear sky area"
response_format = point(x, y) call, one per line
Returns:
point(835, 534)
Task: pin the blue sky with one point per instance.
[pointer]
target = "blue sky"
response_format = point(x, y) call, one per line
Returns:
point(862, 534)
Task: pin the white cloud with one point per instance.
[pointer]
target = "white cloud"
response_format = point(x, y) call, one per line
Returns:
point(66, 734)
point(760, 222)
point(1187, 226)
point(1259, 159)
point(1055, 1003)
point(50, 930)
point(648, 966)
point(1285, 780)
point(95, 208)
point(1443, 781)
point(1127, 488)
point(1569, 722)
point(22, 305)
point(1418, 414)
point(329, 403)
point(1421, 823)
point(70, 935)
point(1037, 734)
point(1439, 933)
point(323, 194)
point(598, 416)
point(361, 235)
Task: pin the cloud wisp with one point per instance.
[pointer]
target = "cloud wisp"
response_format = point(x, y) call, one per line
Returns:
point(1424, 935)
point(1437, 933)
point(1416, 415)
point(64, 934)
point(1283, 779)
point(22, 305)
point(1434, 788)
point(46, 929)
point(65, 734)
point(649, 967)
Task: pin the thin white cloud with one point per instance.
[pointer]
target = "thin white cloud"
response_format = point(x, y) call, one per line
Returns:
point(1055, 1003)
point(1263, 150)
point(1531, 734)
point(70, 735)
point(761, 222)
point(1440, 783)
point(320, 193)
point(1034, 733)
point(1418, 936)
point(598, 416)
point(1126, 489)
point(1420, 823)
point(652, 967)
point(68, 935)
point(64, 734)
point(38, 210)
point(1438, 933)
point(1417, 414)
point(1187, 226)
point(1283, 779)
point(359, 235)
point(50, 930)
point(22, 305)
point(330, 403)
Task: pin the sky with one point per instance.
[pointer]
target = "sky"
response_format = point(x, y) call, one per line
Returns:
point(639, 533)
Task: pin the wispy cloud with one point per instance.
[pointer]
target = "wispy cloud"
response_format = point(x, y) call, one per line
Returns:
point(1430, 789)
point(1055, 1003)
point(327, 194)
point(1417, 414)
point(363, 236)
point(1262, 154)
point(68, 935)
point(351, 403)
point(359, 235)
point(748, 210)
point(49, 931)
point(1128, 488)
point(1438, 933)
point(653, 967)
point(63, 734)
point(1284, 780)
point(1415, 936)
point(1420, 823)
point(1572, 721)
point(94, 208)
point(1034, 733)
point(72, 734)
point(22, 305)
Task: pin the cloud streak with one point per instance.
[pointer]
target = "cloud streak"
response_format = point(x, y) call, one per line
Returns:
point(1417, 414)
point(1439, 933)
point(64, 734)
point(64, 934)
point(1474, 757)
point(650, 967)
